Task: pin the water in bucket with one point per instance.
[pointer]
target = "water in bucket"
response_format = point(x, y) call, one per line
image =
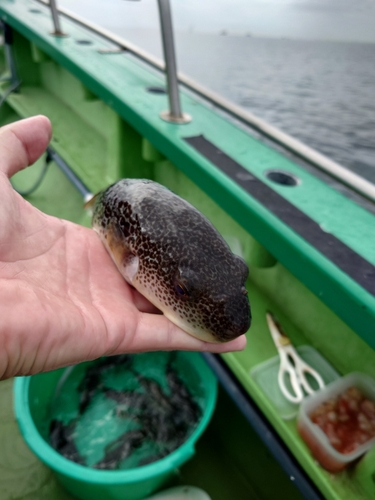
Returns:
point(124, 411)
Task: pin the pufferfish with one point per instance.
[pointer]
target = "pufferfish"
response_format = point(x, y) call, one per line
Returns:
point(174, 256)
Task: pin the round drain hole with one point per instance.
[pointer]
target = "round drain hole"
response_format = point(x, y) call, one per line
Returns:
point(84, 42)
point(156, 90)
point(283, 178)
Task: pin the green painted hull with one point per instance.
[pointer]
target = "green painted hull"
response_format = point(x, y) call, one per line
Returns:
point(107, 126)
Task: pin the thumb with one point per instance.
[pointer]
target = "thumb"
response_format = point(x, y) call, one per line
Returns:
point(23, 142)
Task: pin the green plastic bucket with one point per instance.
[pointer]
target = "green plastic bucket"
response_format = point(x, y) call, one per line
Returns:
point(33, 396)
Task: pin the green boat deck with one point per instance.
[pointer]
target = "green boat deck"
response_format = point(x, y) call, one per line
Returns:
point(106, 125)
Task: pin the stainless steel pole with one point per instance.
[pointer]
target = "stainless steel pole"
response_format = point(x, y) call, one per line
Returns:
point(175, 113)
point(55, 18)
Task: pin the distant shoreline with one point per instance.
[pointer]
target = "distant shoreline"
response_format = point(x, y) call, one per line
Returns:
point(122, 30)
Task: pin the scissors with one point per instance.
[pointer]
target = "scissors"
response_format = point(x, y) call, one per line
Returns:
point(291, 365)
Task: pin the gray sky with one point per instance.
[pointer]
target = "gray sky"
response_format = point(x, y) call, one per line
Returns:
point(351, 20)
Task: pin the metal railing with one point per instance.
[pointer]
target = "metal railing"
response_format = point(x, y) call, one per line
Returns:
point(175, 114)
point(55, 18)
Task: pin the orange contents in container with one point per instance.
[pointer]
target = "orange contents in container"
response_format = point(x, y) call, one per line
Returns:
point(347, 420)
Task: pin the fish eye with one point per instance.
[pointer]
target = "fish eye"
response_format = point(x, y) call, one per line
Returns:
point(181, 289)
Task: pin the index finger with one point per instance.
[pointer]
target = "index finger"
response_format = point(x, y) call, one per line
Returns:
point(157, 333)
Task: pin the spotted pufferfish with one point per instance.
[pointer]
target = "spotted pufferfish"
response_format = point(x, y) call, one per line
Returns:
point(175, 257)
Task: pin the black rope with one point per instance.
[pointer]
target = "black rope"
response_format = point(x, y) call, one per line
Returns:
point(38, 182)
point(8, 91)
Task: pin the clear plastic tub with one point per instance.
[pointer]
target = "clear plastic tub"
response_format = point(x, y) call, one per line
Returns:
point(265, 375)
point(314, 436)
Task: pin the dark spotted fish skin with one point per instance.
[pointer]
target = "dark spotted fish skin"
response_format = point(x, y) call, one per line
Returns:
point(175, 257)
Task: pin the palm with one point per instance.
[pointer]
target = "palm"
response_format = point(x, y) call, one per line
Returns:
point(63, 298)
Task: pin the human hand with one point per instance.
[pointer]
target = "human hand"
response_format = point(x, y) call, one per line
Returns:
point(62, 300)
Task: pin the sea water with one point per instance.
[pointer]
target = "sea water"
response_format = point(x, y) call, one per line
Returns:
point(97, 425)
point(320, 92)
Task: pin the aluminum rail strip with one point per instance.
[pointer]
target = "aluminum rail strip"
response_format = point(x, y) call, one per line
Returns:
point(344, 175)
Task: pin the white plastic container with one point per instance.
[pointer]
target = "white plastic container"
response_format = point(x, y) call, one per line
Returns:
point(315, 437)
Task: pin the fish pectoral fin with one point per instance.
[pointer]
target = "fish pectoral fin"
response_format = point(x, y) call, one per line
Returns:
point(126, 261)
point(130, 267)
